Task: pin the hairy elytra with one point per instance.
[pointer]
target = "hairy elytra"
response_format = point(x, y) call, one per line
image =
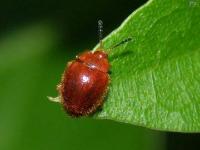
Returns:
point(84, 83)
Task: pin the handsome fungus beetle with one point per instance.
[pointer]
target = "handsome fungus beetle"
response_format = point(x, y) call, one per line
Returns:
point(85, 81)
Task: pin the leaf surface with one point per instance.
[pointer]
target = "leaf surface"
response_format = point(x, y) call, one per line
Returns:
point(155, 78)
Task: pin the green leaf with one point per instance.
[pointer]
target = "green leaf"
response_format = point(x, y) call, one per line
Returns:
point(155, 78)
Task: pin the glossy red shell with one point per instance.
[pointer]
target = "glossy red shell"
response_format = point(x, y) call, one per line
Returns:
point(84, 83)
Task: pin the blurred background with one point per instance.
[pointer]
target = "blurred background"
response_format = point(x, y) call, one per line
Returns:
point(37, 38)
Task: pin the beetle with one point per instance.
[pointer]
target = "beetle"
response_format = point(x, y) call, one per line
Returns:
point(85, 81)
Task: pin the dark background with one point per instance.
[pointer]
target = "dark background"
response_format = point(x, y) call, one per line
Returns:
point(37, 38)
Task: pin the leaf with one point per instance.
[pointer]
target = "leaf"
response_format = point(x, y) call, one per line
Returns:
point(155, 78)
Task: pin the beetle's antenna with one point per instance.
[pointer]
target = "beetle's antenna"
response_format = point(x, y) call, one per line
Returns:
point(121, 43)
point(100, 29)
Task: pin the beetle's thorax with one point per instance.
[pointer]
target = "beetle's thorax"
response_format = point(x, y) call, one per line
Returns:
point(95, 60)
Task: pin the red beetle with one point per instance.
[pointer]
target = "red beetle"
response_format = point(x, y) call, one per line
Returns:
point(85, 81)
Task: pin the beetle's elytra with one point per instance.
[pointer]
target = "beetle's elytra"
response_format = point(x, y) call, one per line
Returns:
point(85, 83)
